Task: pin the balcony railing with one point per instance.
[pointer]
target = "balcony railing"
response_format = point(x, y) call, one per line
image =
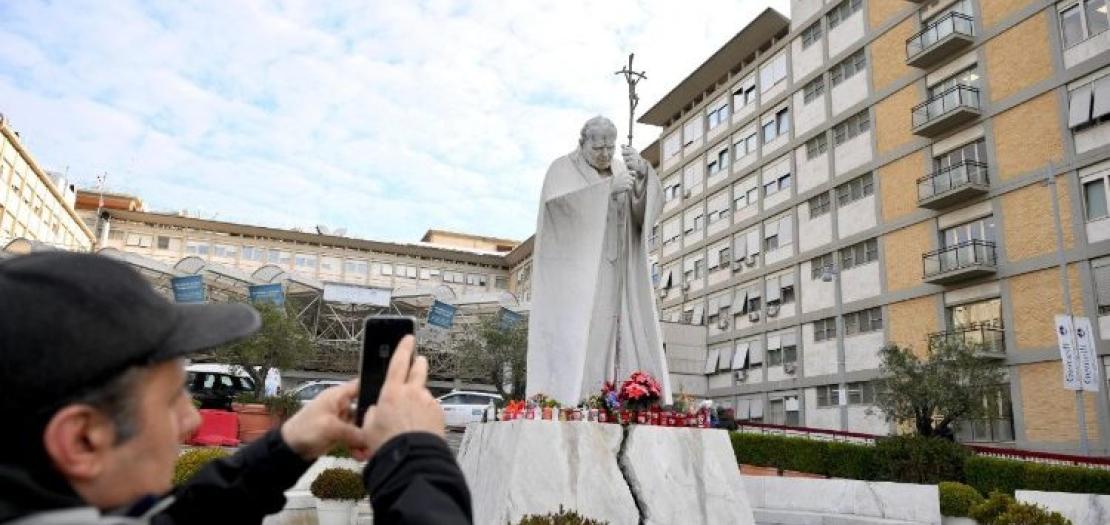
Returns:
point(951, 184)
point(940, 39)
point(984, 338)
point(946, 110)
point(958, 262)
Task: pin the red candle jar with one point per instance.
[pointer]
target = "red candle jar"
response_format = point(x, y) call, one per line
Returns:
point(642, 417)
point(546, 413)
point(603, 416)
point(655, 417)
point(626, 416)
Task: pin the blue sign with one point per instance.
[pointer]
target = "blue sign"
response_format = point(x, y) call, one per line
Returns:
point(188, 289)
point(509, 318)
point(441, 315)
point(268, 293)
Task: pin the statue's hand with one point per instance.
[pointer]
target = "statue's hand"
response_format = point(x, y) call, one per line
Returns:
point(622, 182)
point(636, 164)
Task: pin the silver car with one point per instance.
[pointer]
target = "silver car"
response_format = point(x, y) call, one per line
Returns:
point(463, 407)
point(306, 392)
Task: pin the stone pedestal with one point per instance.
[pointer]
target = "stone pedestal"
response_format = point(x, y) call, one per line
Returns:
point(653, 475)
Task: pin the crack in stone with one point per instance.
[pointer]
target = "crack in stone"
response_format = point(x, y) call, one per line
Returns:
point(628, 475)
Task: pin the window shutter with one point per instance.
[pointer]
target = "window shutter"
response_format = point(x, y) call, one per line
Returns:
point(789, 339)
point(714, 258)
point(714, 306)
point(792, 404)
point(740, 358)
point(770, 229)
point(774, 293)
point(668, 279)
point(753, 242)
point(1102, 285)
point(755, 353)
point(757, 409)
point(774, 342)
point(786, 281)
point(743, 409)
point(1101, 106)
point(786, 231)
point(725, 360)
point(740, 302)
point(711, 361)
point(699, 314)
point(739, 248)
point(1079, 109)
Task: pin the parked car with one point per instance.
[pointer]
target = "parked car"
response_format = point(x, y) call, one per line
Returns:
point(214, 386)
point(308, 391)
point(463, 407)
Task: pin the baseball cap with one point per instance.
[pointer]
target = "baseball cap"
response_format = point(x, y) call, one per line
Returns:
point(70, 322)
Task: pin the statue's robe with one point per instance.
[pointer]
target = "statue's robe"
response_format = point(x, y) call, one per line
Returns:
point(576, 301)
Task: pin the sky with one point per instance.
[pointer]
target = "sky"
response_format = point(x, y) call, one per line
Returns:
point(386, 118)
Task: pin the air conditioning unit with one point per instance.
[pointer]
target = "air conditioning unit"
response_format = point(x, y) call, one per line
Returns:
point(753, 316)
point(789, 368)
point(722, 323)
point(726, 263)
point(741, 375)
point(772, 310)
point(686, 194)
point(751, 260)
point(739, 266)
point(663, 292)
point(686, 286)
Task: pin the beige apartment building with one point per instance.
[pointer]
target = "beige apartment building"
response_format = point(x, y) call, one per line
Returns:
point(35, 206)
point(884, 171)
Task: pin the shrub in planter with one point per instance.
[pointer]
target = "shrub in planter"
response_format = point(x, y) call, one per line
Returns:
point(338, 484)
point(844, 460)
point(991, 508)
point(957, 499)
point(190, 462)
point(563, 517)
point(1004, 475)
point(282, 406)
point(915, 459)
point(991, 475)
point(1029, 514)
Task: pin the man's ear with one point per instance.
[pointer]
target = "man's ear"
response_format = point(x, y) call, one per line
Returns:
point(77, 439)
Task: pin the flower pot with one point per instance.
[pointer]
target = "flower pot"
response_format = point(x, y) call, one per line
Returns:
point(254, 421)
point(547, 413)
point(334, 511)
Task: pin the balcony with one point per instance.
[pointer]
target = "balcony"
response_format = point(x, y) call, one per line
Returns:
point(940, 40)
point(966, 260)
point(948, 186)
point(946, 110)
point(985, 339)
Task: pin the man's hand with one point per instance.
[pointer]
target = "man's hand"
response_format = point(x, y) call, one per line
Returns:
point(324, 423)
point(404, 405)
point(636, 164)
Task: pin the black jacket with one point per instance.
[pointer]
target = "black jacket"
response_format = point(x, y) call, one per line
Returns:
point(413, 479)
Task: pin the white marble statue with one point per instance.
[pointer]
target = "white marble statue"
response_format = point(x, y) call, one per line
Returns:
point(590, 271)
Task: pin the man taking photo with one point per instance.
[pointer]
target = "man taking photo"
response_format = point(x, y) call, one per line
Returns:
point(92, 388)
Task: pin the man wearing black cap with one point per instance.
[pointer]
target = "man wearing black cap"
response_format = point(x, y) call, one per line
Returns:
point(92, 394)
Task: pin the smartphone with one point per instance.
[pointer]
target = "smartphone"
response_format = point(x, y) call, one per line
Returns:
point(380, 338)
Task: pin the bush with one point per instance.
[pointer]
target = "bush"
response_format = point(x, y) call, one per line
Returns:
point(844, 460)
point(1004, 475)
point(282, 406)
point(190, 462)
point(338, 483)
point(915, 459)
point(1029, 514)
point(563, 517)
point(991, 508)
point(957, 499)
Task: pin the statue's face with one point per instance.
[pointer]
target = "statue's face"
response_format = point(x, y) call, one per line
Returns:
point(599, 147)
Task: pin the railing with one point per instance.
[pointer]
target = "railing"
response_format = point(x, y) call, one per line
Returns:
point(950, 24)
point(954, 176)
point(1032, 456)
point(980, 337)
point(963, 255)
point(950, 99)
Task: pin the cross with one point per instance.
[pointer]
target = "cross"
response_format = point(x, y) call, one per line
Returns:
point(632, 77)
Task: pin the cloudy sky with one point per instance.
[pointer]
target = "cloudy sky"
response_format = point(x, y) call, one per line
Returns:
point(387, 118)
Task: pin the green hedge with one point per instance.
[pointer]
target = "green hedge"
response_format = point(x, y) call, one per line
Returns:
point(1004, 475)
point(911, 459)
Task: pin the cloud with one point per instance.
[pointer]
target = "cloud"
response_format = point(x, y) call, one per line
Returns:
point(388, 118)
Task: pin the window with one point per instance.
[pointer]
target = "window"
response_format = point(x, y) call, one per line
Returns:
point(672, 189)
point(744, 94)
point(816, 146)
point(768, 131)
point(693, 221)
point(1100, 270)
point(691, 131)
point(848, 67)
point(1089, 105)
point(973, 152)
point(859, 254)
point(718, 206)
point(719, 163)
point(814, 89)
point(355, 268)
point(780, 289)
point(818, 265)
point(672, 145)
point(777, 127)
point(819, 204)
point(196, 248)
point(772, 72)
point(811, 35)
point(387, 269)
point(1083, 19)
point(828, 396)
point(746, 146)
point(746, 193)
point(778, 233)
point(863, 321)
point(1094, 193)
point(163, 242)
point(977, 230)
point(672, 231)
point(691, 175)
point(718, 116)
point(861, 393)
point(855, 189)
point(302, 260)
point(841, 12)
point(852, 127)
point(775, 185)
point(223, 250)
point(782, 356)
point(824, 329)
point(979, 313)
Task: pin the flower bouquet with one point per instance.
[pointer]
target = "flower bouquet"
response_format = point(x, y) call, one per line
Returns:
point(639, 393)
point(514, 410)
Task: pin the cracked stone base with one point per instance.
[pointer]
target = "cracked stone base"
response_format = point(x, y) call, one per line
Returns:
point(532, 467)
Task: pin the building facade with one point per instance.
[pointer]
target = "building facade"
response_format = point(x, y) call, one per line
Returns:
point(35, 206)
point(879, 172)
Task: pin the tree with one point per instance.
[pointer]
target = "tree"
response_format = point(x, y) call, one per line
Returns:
point(496, 355)
point(281, 343)
point(951, 383)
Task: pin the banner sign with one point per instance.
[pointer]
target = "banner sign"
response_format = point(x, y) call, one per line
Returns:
point(509, 318)
point(353, 294)
point(272, 293)
point(441, 315)
point(1068, 357)
point(1085, 350)
point(188, 289)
